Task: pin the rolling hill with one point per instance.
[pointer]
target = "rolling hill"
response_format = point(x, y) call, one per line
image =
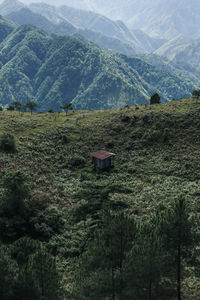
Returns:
point(149, 167)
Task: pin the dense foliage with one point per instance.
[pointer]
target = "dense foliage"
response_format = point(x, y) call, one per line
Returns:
point(67, 232)
point(52, 71)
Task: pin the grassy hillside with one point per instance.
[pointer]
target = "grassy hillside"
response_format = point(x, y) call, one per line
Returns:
point(157, 158)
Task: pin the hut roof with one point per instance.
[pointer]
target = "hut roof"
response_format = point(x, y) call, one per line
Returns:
point(102, 154)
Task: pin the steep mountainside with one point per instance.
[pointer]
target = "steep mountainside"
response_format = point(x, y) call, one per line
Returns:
point(8, 6)
point(108, 34)
point(98, 27)
point(159, 18)
point(6, 28)
point(184, 52)
point(27, 17)
point(56, 70)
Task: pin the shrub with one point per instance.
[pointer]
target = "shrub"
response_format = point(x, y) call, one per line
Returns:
point(76, 161)
point(153, 136)
point(7, 142)
point(64, 139)
point(10, 107)
point(155, 99)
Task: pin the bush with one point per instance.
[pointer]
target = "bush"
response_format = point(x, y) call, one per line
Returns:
point(153, 136)
point(76, 161)
point(64, 139)
point(155, 99)
point(7, 142)
point(10, 107)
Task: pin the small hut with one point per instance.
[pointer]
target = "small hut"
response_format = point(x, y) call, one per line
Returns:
point(102, 159)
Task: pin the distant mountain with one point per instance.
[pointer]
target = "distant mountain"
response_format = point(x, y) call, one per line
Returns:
point(63, 19)
point(25, 16)
point(184, 52)
point(87, 20)
point(56, 70)
point(95, 27)
point(6, 28)
point(158, 18)
point(146, 42)
point(9, 6)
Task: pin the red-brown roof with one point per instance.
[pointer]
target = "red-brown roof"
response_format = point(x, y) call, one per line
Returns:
point(102, 154)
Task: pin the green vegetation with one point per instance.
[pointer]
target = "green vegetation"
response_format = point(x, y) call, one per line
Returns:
point(53, 71)
point(7, 142)
point(196, 94)
point(131, 233)
point(155, 99)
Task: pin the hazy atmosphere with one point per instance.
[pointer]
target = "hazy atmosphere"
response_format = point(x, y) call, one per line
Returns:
point(99, 150)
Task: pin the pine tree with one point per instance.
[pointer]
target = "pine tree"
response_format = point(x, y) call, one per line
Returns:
point(38, 275)
point(8, 273)
point(100, 269)
point(155, 99)
point(31, 106)
point(144, 264)
point(178, 232)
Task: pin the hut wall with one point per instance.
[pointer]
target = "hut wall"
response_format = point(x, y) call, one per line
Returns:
point(103, 164)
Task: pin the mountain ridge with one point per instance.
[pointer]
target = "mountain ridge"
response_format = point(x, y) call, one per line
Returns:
point(53, 70)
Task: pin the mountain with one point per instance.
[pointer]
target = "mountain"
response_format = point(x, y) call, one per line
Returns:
point(184, 52)
point(87, 20)
point(95, 27)
point(158, 18)
point(55, 70)
point(146, 42)
point(25, 16)
point(6, 28)
point(9, 6)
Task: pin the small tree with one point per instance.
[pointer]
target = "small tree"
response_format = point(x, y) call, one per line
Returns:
point(155, 99)
point(16, 191)
point(7, 143)
point(177, 228)
point(17, 105)
point(67, 107)
point(32, 106)
point(10, 108)
point(196, 94)
point(8, 273)
point(38, 276)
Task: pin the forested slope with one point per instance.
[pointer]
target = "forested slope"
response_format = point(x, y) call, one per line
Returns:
point(53, 70)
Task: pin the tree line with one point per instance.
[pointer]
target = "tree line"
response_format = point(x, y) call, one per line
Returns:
point(120, 257)
point(128, 259)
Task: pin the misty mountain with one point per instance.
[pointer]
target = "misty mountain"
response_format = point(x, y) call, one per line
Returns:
point(53, 70)
point(9, 6)
point(87, 20)
point(158, 18)
point(6, 28)
point(184, 52)
point(25, 16)
point(94, 27)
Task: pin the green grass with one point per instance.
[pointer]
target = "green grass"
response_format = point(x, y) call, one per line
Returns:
point(156, 170)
